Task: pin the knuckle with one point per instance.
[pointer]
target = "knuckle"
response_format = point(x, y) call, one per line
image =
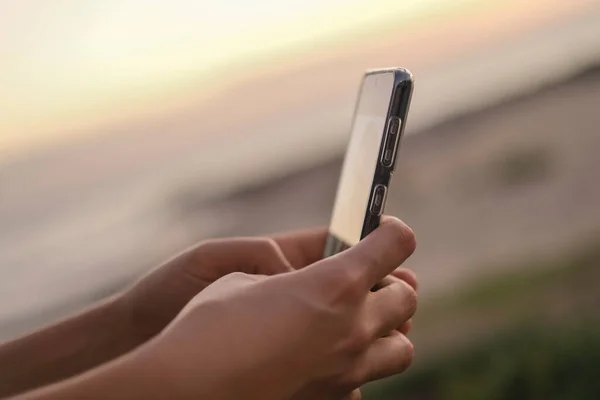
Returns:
point(404, 354)
point(410, 349)
point(410, 298)
point(355, 395)
point(407, 276)
point(239, 277)
point(407, 356)
point(344, 293)
point(403, 299)
point(359, 340)
point(236, 275)
point(345, 283)
point(351, 279)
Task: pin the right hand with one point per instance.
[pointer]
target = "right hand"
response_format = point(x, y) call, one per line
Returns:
point(316, 333)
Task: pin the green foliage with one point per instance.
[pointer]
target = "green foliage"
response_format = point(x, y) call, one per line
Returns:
point(529, 364)
point(577, 268)
point(551, 356)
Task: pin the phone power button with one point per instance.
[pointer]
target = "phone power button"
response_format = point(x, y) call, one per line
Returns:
point(378, 200)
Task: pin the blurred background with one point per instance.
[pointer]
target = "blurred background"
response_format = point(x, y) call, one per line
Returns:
point(131, 129)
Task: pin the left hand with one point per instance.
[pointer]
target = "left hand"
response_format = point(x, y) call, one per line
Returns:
point(154, 301)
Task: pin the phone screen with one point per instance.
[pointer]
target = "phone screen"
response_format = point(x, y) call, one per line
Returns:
point(362, 156)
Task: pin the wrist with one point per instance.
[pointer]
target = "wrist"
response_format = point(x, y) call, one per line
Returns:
point(95, 336)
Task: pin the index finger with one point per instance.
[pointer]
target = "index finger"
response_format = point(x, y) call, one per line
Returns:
point(380, 253)
point(303, 247)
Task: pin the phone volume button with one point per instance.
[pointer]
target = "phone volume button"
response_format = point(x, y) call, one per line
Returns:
point(392, 134)
point(378, 200)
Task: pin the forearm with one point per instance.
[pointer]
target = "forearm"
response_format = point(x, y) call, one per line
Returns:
point(66, 348)
point(127, 377)
point(143, 374)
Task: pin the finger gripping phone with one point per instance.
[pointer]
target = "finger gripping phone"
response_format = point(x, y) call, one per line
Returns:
point(377, 127)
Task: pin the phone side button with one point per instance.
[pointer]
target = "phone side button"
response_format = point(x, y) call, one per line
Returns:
point(378, 200)
point(391, 141)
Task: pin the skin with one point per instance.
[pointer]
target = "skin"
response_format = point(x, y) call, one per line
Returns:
point(260, 318)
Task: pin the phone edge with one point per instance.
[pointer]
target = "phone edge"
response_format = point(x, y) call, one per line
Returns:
point(399, 107)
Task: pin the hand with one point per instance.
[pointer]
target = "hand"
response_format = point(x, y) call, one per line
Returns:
point(156, 299)
point(316, 333)
point(120, 324)
point(403, 274)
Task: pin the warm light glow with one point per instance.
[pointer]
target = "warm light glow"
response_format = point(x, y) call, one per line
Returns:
point(69, 64)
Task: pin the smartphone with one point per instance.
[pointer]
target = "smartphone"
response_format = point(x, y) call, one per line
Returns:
point(377, 127)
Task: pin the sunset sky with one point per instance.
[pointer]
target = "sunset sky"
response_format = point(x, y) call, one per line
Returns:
point(72, 63)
